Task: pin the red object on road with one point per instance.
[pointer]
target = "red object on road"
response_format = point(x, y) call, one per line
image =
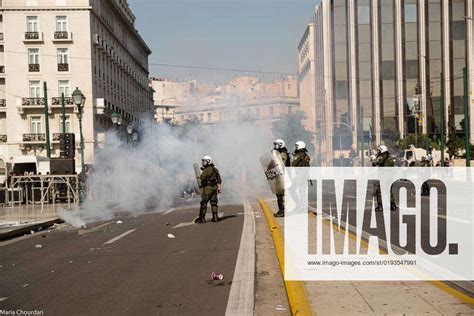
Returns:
point(216, 276)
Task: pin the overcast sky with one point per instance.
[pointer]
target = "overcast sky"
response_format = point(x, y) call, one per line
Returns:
point(256, 35)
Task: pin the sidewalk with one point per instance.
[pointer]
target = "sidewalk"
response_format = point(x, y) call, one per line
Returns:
point(18, 220)
point(351, 297)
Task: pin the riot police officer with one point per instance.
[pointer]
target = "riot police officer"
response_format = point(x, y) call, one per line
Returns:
point(279, 146)
point(301, 157)
point(210, 186)
point(383, 159)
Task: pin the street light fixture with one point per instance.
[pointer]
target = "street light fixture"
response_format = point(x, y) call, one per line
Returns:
point(130, 129)
point(79, 100)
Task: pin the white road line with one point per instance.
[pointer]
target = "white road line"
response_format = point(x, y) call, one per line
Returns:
point(14, 240)
point(170, 210)
point(3, 299)
point(119, 236)
point(241, 297)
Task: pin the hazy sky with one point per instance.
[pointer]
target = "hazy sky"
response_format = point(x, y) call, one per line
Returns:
point(258, 35)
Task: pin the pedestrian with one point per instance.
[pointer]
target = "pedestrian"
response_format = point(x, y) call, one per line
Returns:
point(211, 185)
point(279, 146)
point(302, 158)
point(384, 159)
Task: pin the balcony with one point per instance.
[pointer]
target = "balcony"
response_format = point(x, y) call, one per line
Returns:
point(3, 103)
point(32, 101)
point(3, 138)
point(56, 137)
point(63, 67)
point(33, 37)
point(2, 71)
point(34, 138)
point(33, 67)
point(1, 37)
point(67, 101)
point(62, 36)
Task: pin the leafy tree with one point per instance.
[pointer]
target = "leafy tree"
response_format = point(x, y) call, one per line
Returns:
point(455, 142)
point(291, 129)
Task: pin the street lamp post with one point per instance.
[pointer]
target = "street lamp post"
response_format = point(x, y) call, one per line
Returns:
point(129, 132)
point(79, 100)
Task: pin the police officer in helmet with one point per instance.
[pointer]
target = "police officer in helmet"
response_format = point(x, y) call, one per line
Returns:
point(210, 186)
point(279, 146)
point(301, 155)
point(383, 159)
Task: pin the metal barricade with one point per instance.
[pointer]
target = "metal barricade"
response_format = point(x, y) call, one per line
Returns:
point(43, 189)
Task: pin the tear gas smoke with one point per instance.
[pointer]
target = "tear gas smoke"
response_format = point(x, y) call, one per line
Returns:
point(150, 177)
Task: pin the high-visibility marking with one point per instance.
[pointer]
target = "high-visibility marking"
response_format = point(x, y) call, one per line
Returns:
point(119, 236)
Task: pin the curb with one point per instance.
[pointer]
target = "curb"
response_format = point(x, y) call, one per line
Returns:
point(27, 228)
point(294, 289)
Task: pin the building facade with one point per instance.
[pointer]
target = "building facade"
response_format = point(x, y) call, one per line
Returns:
point(90, 44)
point(385, 68)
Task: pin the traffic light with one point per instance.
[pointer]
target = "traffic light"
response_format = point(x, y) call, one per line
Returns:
point(67, 145)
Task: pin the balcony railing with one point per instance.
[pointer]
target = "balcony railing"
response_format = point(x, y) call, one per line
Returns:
point(2, 69)
point(1, 36)
point(32, 35)
point(32, 101)
point(61, 35)
point(34, 137)
point(56, 137)
point(67, 101)
point(33, 67)
point(3, 138)
point(3, 103)
point(63, 67)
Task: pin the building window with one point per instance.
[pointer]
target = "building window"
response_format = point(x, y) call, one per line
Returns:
point(33, 59)
point(68, 123)
point(363, 15)
point(411, 69)
point(61, 23)
point(32, 24)
point(459, 30)
point(36, 125)
point(388, 70)
point(410, 13)
point(63, 87)
point(35, 89)
point(209, 116)
point(63, 59)
point(341, 89)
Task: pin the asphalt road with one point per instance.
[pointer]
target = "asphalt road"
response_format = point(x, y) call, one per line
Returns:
point(76, 272)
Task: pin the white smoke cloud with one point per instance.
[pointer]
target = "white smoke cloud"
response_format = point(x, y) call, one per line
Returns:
point(149, 178)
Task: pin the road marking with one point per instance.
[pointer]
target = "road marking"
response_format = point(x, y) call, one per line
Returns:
point(14, 240)
point(241, 297)
point(170, 210)
point(3, 299)
point(193, 222)
point(93, 229)
point(119, 236)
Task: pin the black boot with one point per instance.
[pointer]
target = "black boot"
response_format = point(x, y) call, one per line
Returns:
point(215, 218)
point(379, 208)
point(279, 214)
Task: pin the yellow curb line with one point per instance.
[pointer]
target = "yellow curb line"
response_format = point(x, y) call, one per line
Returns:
point(294, 289)
point(439, 284)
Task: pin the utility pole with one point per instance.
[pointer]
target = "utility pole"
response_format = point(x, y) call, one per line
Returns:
point(442, 119)
point(46, 119)
point(466, 120)
point(63, 107)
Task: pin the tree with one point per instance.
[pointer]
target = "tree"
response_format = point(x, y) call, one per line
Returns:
point(291, 129)
point(454, 143)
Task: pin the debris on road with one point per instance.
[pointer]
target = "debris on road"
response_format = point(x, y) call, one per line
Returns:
point(32, 232)
point(25, 285)
point(167, 223)
point(171, 236)
point(38, 246)
point(119, 222)
point(216, 276)
point(280, 308)
point(71, 261)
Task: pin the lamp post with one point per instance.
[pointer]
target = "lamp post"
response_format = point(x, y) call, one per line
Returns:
point(79, 100)
point(134, 139)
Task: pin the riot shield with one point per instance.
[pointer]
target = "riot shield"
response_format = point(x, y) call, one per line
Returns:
point(274, 168)
point(197, 172)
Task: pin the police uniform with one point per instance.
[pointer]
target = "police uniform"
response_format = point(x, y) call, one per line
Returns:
point(210, 179)
point(383, 160)
point(301, 158)
point(285, 157)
